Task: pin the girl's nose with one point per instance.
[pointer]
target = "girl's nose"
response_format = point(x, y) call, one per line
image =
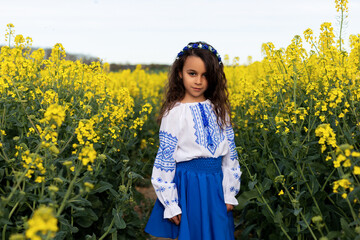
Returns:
point(199, 80)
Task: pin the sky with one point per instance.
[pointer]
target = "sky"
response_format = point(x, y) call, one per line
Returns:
point(154, 31)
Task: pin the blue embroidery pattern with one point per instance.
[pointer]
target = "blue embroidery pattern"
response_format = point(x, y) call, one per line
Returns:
point(164, 157)
point(160, 189)
point(207, 131)
point(231, 140)
point(235, 190)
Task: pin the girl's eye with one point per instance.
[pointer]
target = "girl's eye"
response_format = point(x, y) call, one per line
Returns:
point(192, 73)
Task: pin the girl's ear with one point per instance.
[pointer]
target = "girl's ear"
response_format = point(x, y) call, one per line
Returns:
point(180, 75)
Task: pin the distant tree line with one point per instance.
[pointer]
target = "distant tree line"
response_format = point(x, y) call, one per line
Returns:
point(114, 67)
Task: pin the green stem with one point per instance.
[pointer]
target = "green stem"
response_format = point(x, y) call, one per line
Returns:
point(312, 196)
point(341, 25)
point(308, 226)
point(351, 209)
point(68, 192)
point(4, 232)
point(327, 179)
point(13, 209)
point(108, 230)
point(297, 208)
point(16, 186)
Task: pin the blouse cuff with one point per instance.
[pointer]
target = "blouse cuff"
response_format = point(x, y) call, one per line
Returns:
point(230, 199)
point(171, 211)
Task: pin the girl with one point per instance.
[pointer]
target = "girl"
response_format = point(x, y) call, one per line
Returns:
point(196, 173)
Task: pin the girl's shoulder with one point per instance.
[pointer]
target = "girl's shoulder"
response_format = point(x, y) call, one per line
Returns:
point(173, 112)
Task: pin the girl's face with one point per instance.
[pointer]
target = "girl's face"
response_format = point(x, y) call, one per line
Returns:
point(194, 79)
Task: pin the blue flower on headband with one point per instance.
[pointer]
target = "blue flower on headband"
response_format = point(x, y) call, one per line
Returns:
point(180, 54)
point(200, 46)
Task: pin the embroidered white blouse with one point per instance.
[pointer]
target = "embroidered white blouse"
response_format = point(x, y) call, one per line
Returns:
point(185, 135)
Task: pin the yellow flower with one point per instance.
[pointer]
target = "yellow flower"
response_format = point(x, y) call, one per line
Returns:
point(287, 130)
point(281, 192)
point(42, 222)
point(316, 219)
point(88, 185)
point(143, 144)
point(53, 188)
point(327, 136)
point(341, 5)
point(85, 131)
point(355, 154)
point(347, 163)
point(56, 113)
point(87, 154)
point(17, 236)
point(356, 170)
point(40, 179)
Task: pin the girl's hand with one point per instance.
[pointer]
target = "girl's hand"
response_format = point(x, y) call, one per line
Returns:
point(229, 207)
point(176, 219)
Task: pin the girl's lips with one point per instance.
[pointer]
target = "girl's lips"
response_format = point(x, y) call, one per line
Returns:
point(197, 89)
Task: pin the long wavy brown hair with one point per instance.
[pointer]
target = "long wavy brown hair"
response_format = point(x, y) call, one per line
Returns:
point(216, 92)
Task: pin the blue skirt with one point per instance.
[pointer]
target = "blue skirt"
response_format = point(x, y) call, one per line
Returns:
point(201, 199)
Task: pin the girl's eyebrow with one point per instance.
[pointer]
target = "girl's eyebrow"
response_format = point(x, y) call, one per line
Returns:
point(192, 70)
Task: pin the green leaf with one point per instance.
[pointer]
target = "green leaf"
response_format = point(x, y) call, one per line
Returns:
point(60, 235)
point(246, 232)
point(135, 175)
point(85, 218)
point(297, 211)
point(119, 221)
point(348, 231)
point(278, 217)
point(92, 237)
point(252, 184)
point(114, 235)
point(101, 187)
point(333, 235)
point(271, 171)
point(245, 198)
point(266, 184)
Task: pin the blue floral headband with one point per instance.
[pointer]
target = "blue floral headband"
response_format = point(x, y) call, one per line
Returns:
point(199, 46)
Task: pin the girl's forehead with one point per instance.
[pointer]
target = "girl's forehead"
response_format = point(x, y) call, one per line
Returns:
point(194, 62)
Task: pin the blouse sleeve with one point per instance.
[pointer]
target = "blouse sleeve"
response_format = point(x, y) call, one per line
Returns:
point(231, 170)
point(164, 166)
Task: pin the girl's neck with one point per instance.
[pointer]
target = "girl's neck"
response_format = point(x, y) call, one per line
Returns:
point(189, 102)
point(193, 100)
